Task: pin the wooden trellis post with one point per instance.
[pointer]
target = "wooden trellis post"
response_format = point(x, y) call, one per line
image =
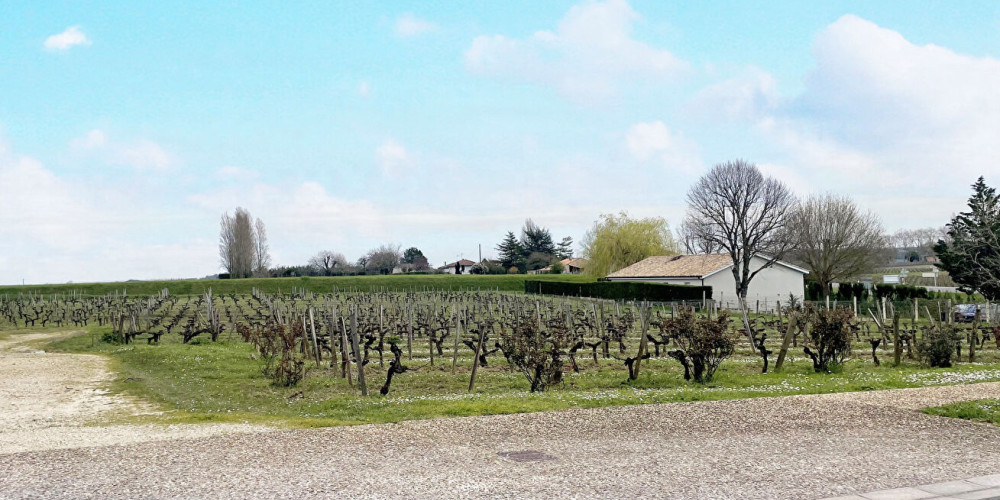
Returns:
point(357, 353)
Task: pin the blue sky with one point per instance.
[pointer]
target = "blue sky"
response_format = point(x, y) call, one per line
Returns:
point(128, 128)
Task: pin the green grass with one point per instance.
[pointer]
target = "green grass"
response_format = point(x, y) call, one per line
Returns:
point(435, 282)
point(981, 410)
point(222, 382)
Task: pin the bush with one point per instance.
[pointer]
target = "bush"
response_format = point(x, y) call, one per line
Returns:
point(277, 346)
point(938, 346)
point(814, 291)
point(536, 352)
point(556, 268)
point(112, 338)
point(900, 292)
point(620, 290)
point(847, 291)
point(830, 337)
point(704, 343)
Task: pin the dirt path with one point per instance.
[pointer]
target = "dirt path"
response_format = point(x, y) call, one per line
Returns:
point(50, 400)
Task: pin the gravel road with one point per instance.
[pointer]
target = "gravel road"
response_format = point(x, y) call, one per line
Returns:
point(790, 447)
point(50, 400)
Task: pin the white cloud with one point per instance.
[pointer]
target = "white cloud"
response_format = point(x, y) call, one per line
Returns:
point(914, 108)
point(653, 141)
point(56, 230)
point(408, 25)
point(140, 153)
point(38, 206)
point(392, 158)
point(745, 98)
point(879, 117)
point(72, 36)
point(301, 219)
point(590, 52)
point(364, 89)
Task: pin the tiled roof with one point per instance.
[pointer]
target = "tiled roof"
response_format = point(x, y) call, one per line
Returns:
point(675, 265)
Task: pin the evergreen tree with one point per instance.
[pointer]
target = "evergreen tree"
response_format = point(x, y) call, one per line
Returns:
point(510, 251)
point(565, 248)
point(410, 254)
point(972, 257)
point(536, 239)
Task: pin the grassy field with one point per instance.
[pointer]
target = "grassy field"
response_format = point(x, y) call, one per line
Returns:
point(436, 282)
point(981, 410)
point(203, 381)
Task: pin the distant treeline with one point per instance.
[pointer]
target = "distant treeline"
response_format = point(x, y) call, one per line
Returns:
point(398, 282)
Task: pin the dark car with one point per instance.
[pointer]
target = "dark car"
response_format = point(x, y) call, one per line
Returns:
point(965, 313)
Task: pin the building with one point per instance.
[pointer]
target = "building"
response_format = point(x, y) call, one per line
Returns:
point(570, 266)
point(460, 267)
point(772, 284)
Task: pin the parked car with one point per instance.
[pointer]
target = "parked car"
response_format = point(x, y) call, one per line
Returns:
point(965, 313)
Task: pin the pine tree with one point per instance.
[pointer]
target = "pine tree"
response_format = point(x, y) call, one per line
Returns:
point(510, 251)
point(972, 257)
point(536, 239)
point(565, 248)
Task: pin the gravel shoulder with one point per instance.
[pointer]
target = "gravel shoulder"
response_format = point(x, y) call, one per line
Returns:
point(54, 400)
point(791, 447)
point(810, 446)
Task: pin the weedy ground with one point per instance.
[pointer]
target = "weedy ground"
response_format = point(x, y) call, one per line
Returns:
point(981, 410)
point(222, 382)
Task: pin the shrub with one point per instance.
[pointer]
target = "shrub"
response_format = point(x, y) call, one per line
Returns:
point(277, 345)
point(112, 338)
point(900, 292)
point(536, 352)
point(830, 337)
point(938, 346)
point(621, 290)
point(704, 343)
point(556, 268)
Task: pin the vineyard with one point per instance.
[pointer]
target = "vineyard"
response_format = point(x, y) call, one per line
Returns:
point(383, 356)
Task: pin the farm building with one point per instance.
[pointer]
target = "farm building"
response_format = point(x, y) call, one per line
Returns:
point(570, 266)
point(460, 267)
point(715, 270)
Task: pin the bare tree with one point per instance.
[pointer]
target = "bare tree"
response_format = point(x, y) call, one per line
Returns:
point(327, 263)
point(688, 236)
point(383, 259)
point(262, 255)
point(237, 244)
point(836, 240)
point(735, 208)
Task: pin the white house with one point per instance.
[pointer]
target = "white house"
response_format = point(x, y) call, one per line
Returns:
point(772, 284)
point(461, 267)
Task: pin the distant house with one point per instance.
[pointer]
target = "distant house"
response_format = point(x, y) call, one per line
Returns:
point(460, 267)
point(715, 270)
point(570, 266)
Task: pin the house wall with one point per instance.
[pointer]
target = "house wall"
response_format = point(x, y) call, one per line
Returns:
point(768, 286)
point(451, 269)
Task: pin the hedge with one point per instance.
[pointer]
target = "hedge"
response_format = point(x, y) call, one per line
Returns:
point(814, 291)
point(621, 290)
point(900, 292)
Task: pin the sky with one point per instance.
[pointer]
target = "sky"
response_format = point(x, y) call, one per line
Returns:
point(128, 128)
